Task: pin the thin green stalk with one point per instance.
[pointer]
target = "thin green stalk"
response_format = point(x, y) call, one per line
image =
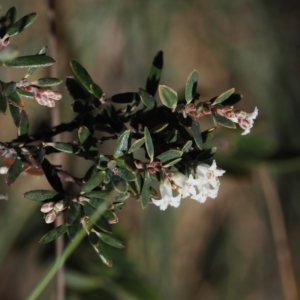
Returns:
point(61, 259)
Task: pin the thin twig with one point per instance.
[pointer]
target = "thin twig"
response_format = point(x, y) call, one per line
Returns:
point(280, 237)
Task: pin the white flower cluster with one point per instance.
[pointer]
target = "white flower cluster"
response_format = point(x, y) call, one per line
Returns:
point(204, 184)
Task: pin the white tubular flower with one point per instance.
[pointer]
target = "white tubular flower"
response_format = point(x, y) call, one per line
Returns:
point(167, 197)
point(210, 174)
point(205, 191)
point(247, 122)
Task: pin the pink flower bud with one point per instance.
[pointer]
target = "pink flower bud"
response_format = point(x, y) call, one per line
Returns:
point(47, 207)
point(50, 217)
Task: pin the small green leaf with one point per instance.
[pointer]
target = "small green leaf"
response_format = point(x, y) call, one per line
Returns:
point(54, 234)
point(40, 195)
point(169, 155)
point(30, 61)
point(74, 228)
point(21, 24)
point(197, 134)
point(146, 193)
point(73, 213)
point(101, 251)
point(136, 145)
point(124, 97)
point(155, 74)
point(149, 144)
point(187, 146)
point(23, 128)
point(15, 100)
point(119, 184)
point(9, 88)
point(110, 217)
point(47, 81)
point(223, 121)
point(30, 71)
point(93, 182)
point(62, 147)
point(11, 15)
point(95, 202)
point(96, 90)
point(122, 144)
point(110, 240)
point(147, 99)
point(15, 113)
point(14, 171)
point(103, 194)
point(167, 96)
point(82, 75)
point(126, 175)
point(172, 163)
point(159, 128)
point(24, 93)
point(3, 104)
point(51, 175)
point(223, 96)
point(100, 222)
point(191, 86)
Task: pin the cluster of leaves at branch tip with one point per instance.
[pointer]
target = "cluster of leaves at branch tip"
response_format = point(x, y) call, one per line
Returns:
point(167, 137)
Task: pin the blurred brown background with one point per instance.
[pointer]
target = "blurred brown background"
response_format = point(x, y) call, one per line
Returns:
point(238, 246)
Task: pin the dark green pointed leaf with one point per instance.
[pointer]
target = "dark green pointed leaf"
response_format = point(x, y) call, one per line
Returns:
point(21, 24)
point(3, 104)
point(23, 128)
point(82, 75)
point(159, 128)
point(169, 155)
point(187, 146)
point(9, 88)
point(136, 145)
point(110, 240)
point(125, 97)
point(30, 61)
point(74, 228)
point(15, 113)
point(232, 99)
point(223, 121)
point(96, 202)
point(41, 195)
point(15, 100)
point(75, 89)
point(62, 147)
point(191, 86)
point(24, 93)
point(96, 90)
point(30, 71)
point(103, 194)
point(85, 137)
point(41, 155)
point(223, 96)
point(119, 184)
point(146, 193)
point(54, 234)
point(126, 175)
point(122, 144)
point(110, 217)
point(100, 222)
point(10, 15)
point(14, 171)
point(100, 248)
point(73, 213)
point(167, 96)
point(147, 99)
point(197, 134)
point(47, 82)
point(93, 182)
point(149, 144)
point(51, 175)
point(172, 163)
point(155, 74)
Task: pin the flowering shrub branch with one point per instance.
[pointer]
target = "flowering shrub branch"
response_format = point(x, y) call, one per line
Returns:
point(176, 162)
